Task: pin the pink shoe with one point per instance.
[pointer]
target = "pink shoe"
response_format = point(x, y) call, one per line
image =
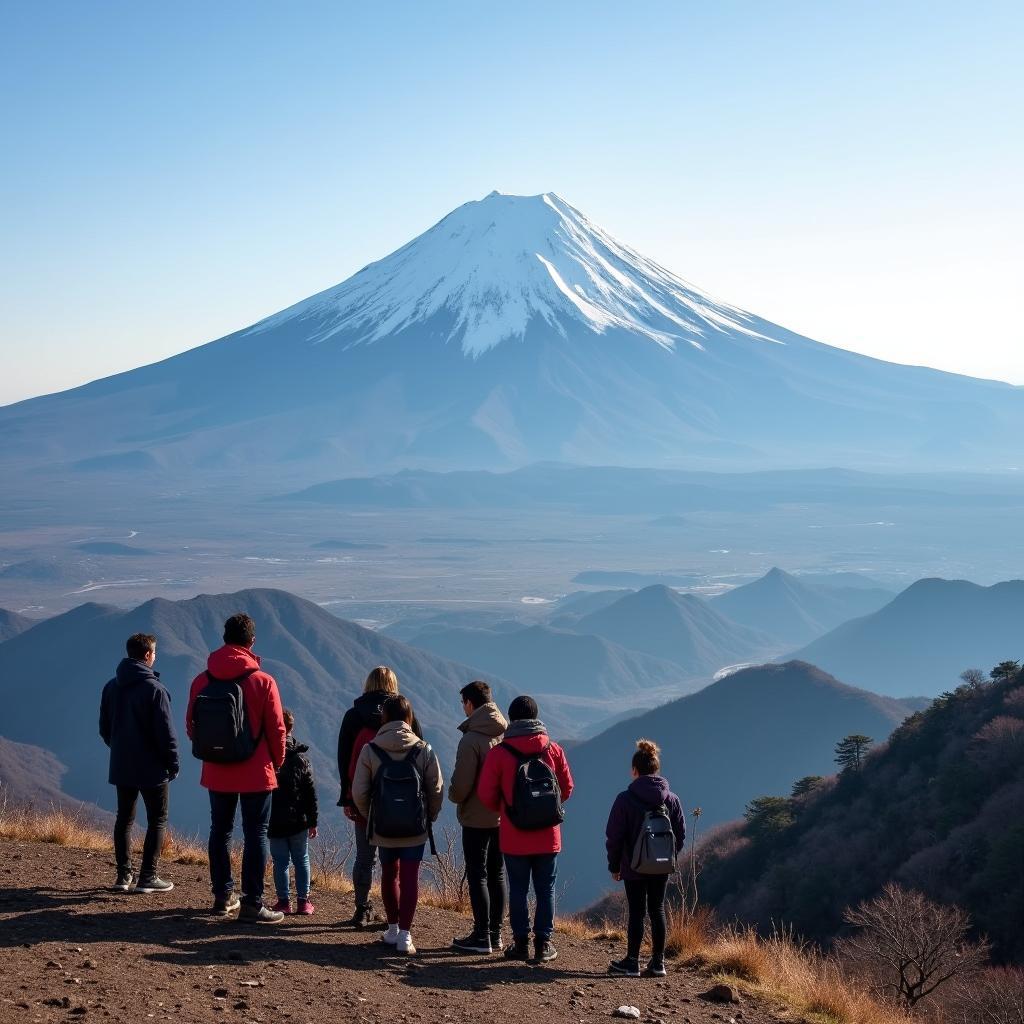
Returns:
point(304, 907)
point(282, 906)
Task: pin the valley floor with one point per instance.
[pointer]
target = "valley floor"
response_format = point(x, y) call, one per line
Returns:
point(73, 951)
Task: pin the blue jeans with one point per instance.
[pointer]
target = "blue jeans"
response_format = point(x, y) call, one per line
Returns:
point(294, 849)
point(543, 868)
point(255, 851)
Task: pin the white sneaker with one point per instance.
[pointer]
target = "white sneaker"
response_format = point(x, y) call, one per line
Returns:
point(391, 935)
point(405, 943)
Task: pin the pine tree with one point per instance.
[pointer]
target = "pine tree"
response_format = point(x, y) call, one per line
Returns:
point(806, 785)
point(850, 752)
point(1005, 671)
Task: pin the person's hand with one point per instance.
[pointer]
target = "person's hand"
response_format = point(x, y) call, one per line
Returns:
point(349, 813)
point(617, 875)
point(312, 832)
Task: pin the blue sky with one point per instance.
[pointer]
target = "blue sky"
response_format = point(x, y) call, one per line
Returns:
point(173, 172)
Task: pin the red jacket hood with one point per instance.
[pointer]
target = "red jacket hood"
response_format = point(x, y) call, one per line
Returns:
point(529, 744)
point(231, 661)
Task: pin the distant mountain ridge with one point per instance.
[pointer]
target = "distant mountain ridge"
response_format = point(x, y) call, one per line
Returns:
point(786, 607)
point(11, 624)
point(925, 637)
point(680, 628)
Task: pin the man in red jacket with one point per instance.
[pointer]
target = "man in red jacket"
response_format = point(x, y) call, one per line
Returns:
point(250, 782)
point(529, 853)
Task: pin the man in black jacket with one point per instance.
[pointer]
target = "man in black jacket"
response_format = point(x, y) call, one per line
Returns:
point(135, 722)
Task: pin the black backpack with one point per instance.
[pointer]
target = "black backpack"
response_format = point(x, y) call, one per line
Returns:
point(220, 722)
point(536, 795)
point(654, 849)
point(397, 808)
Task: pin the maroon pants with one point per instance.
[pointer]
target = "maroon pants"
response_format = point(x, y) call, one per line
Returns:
point(400, 885)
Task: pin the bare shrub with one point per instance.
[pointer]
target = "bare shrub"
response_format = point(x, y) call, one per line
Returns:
point(330, 853)
point(687, 931)
point(995, 996)
point(447, 875)
point(908, 946)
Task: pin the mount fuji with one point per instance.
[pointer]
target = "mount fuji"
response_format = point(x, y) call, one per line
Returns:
point(513, 331)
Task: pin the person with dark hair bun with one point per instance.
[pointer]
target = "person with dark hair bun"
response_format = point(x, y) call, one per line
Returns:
point(647, 804)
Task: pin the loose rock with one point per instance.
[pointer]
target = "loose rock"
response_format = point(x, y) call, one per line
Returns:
point(629, 1012)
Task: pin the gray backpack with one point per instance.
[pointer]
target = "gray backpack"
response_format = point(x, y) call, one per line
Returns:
point(654, 850)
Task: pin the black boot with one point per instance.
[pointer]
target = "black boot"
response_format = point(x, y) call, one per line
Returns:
point(519, 948)
point(543, 951)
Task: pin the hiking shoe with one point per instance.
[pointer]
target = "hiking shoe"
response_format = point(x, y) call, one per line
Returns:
point(391, 935)
point(543, 951)
point(124, 881)
point(496, 944)
point(304, 907)
point(655, 969)
point(153, 885)
point(474, 942)
point(260, 915)
point(518, 949)
point(362, 918)
point(627, 967)
point(222, 906)
point(282, 906)
point(405, 943)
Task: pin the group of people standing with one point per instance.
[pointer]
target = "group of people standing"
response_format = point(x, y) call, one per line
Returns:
point(509, 783)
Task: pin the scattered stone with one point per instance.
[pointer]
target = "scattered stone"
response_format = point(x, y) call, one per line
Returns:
point(64, 1001)
point(220, 993)
point(55, 964)
point(720, 994)
point(90, 964)
point(628, 1012)
point(79, 1011)
point(241, 1005)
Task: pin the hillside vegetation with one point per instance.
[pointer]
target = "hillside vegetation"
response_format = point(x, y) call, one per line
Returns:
point(938, 809)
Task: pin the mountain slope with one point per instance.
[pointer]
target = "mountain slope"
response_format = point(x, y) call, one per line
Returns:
point(924, 639)
point(514, 330)
point(544, 661)
point(11, 624)
point(938, 809)
point(676, 627)
point(319, 661)
point(750, 733)
point(786, 607)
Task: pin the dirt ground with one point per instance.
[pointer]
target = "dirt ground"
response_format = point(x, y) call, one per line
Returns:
point(72, 951)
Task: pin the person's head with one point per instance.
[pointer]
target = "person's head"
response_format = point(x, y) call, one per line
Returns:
point(381, 679)
point(240, 630)
point(289, 721)
point(475, 695)
point(396, 709)
point(522, 709)
point(647, 759)
point(141, 647)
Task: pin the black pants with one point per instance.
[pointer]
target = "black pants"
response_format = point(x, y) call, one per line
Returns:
point(646, 897)
point(155, 800)
point(485, 878)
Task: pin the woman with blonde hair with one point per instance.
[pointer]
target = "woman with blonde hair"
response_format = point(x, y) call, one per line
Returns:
point(358, 727)
point(645, 836)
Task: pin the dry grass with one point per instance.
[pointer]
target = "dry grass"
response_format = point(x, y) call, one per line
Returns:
point(688, 932)
point(56, 825)
point(798, 976)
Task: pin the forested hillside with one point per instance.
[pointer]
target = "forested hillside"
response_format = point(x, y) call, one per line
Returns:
point(939, 808)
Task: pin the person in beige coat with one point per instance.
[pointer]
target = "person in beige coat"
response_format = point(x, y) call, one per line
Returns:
point(394, 748)
point(485, 874)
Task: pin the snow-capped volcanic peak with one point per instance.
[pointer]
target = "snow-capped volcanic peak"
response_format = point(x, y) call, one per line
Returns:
point(493, 266)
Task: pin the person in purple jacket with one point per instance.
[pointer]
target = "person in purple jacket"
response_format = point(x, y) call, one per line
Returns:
point(645, 894)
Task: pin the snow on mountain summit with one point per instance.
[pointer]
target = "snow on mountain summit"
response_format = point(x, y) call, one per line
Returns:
point(494, 266)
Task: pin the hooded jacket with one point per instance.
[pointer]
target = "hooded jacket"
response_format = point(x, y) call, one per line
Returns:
point(626, 818)
point(293, 808)
point(495, 787)
point(360, 725)
point(396, 739)
point(135, 722)
point(481, 731)
point(263, 706)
